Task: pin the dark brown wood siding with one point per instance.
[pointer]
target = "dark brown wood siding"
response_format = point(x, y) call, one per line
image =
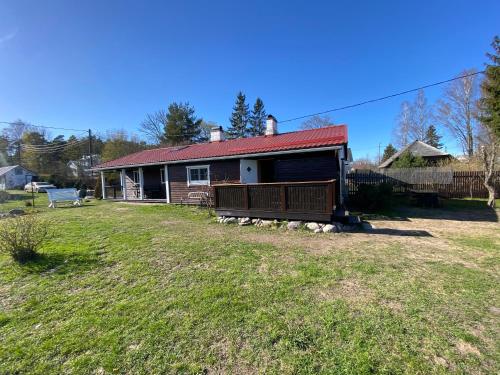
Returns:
point(319, 166)
point(224, 171)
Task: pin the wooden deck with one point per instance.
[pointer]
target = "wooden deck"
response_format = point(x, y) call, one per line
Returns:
point(287, 200)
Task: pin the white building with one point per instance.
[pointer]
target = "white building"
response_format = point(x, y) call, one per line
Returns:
point(81, 166)
point(15, 177)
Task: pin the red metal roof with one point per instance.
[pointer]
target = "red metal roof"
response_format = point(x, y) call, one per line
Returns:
point(305, 139)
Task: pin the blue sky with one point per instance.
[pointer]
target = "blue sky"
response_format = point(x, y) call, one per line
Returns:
point(105, 64)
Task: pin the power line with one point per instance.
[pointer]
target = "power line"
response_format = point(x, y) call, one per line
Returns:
point(383, 97)
point(42, 126)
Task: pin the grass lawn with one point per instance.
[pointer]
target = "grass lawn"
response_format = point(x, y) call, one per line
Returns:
point(153, 289)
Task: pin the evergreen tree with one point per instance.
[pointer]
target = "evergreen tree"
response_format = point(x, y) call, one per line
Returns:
point(257, 119)
point(388, 152)
point(239, 118)
point(432, 137)
point(408, 160)
point(182, 126)
point(490, 88)
point(490, 118)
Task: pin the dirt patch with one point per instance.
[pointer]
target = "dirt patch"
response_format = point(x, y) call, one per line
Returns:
point(465, 348)
point(351, 290)
point(171, 222)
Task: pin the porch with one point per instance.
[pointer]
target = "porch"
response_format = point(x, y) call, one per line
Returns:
point(314, 201)
point(140, 184)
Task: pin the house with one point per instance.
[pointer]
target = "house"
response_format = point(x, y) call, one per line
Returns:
point(82, 166)
point(169, 174)
point(430, 154)
point(15, 177)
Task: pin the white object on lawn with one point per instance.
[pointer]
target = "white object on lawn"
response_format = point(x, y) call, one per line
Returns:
point(59, 195)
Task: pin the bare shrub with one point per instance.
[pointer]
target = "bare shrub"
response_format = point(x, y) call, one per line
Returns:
point(22, 236)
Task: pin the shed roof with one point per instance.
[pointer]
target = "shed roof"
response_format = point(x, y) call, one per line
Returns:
point(305, 139)
point(4, 170)
point(417, 148)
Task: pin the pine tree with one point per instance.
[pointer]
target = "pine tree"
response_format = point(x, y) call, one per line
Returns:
point(490, 88)
point(239, 118)
point(257, 119)
point(432, 137)
point(388, 152)
point(182, 126)
point(490, 118)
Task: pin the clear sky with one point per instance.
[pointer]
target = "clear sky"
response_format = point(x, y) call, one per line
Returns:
point(105, 64)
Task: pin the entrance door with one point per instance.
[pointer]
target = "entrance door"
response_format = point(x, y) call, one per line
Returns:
point(266, 170)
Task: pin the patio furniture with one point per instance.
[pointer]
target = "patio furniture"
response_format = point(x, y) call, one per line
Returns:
point(61, 195)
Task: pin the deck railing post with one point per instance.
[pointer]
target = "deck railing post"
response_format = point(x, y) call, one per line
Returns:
point(246, 202)
point(215, 196)
point(283, 197)
point(329, 197)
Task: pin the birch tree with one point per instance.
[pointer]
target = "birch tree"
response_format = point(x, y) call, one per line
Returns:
point(457, 111)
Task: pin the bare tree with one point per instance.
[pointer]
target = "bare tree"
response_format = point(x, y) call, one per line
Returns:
point(403, 126)
point(14, 134)
point(488, 150)
point(457, 111)
point(421, 116)
point(317, 122)
point(153, 126)
point(413, 121)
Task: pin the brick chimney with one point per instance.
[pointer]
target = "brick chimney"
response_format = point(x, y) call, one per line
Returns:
point(271, 125)
point(216, 134)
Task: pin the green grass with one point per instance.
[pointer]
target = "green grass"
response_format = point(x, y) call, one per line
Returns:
point(163, 289)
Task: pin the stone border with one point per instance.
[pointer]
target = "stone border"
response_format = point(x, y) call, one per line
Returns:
point(314, 227)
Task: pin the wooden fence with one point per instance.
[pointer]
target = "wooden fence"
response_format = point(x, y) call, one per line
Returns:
point(289, 200)
point(463, 184)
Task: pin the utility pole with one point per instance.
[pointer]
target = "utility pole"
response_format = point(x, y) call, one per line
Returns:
point(379, 153)
point(90, 148)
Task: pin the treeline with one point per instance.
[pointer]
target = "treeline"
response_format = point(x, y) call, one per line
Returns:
point(179, 124)
point(62, 160)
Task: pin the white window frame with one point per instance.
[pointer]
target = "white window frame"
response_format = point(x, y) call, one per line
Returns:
point(198, 183)
point(162, 175)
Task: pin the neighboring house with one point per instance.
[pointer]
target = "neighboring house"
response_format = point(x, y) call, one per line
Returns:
point(15, 177)
point(430, 154)
point(171, 173)
point(82, 166)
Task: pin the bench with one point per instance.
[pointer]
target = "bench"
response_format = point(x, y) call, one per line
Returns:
point(199, 197)
point(61, 195)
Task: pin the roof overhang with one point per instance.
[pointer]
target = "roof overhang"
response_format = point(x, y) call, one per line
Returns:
point(242, 156)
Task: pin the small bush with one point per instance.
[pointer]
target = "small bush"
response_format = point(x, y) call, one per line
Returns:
point(22, 236)
point(373, 197)
point(98, 189)
point(28, 203)
point(4, 196)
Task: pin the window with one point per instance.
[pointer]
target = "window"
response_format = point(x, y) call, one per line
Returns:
point(18, 171)
point(135, 177)
point(162, 175)
point(198, 175)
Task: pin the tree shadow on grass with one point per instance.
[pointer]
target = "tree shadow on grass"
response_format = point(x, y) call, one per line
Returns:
point(61, 264)
point(400, 232)
point(450, 209)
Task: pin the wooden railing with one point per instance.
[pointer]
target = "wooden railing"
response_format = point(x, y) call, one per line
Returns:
point(290, 200)
point(113, 191)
